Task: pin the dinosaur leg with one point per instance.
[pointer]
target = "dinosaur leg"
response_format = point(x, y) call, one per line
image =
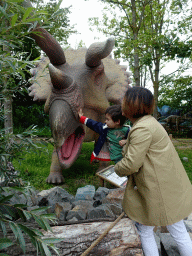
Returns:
point(55, 175)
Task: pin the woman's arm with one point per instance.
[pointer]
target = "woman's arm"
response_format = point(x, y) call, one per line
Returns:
point(139, 143)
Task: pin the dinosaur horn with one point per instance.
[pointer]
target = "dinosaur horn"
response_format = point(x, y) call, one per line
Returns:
point(49, 45)
point(98, 51)
point(58, 78)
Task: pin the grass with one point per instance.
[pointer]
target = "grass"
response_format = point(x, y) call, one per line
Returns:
point(34, 168)
point(184, 149)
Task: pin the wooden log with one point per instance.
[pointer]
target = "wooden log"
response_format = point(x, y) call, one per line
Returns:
point(121, 240)
point(103, 235)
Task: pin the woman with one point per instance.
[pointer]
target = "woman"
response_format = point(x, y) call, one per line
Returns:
point(158, 191)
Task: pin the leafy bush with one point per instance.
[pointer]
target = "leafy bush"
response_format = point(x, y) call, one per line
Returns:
point(12, 146)
point(11, 212)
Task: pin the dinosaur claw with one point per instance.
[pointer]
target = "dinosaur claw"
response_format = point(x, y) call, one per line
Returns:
point(55, 178)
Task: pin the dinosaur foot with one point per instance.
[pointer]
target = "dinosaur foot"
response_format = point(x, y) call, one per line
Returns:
point(55, 178)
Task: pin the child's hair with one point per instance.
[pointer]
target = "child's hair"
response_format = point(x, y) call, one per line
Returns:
point(115, 113)
point(138, 102)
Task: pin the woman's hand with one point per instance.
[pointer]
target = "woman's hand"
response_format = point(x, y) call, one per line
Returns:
point(122, 142)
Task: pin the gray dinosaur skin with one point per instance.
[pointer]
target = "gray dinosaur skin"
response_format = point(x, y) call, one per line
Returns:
point(81, 83)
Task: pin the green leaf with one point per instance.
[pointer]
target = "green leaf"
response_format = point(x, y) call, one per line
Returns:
point(26, 14)
point(20, 205)
point(40, 222)
point(51, 216)
point(41, 209)
point(4, 254)
point(6, 198)
point(5, 242)
point(27, 215)
point(27, 230)
point(18, 234)
point(48, 227)
point(14, 19)
point(3, 226)
point(4, 12)
point(54, 249)
point(14, 1)
point(52, 240)
point(46, 249)
point(40, 247)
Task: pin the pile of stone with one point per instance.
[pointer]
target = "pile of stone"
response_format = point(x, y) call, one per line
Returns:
point(88, 205)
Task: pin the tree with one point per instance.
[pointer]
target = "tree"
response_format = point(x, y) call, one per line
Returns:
point(14, 22)
point(176, 92)
point(57, 22)
point(13, 29)
point(141, 30)
point(17, 24)
point(125, 25)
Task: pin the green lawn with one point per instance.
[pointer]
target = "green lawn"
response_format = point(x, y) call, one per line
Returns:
point(184, 149)
point(34, 167)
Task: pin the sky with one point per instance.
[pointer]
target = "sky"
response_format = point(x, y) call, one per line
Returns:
point(81, 11)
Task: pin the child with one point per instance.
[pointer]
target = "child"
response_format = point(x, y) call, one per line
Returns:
point(158, 191)
point(112, 131)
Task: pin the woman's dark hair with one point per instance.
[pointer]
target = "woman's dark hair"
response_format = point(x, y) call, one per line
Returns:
point(138, 102)
point(115, 113)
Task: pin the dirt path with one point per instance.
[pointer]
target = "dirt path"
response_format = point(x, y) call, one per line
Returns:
point(182, 143)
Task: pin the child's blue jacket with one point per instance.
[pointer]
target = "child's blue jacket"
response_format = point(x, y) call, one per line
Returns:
point(102, 130)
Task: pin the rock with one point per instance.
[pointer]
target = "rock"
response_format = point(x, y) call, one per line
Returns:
point(32, 199)
point(185, 159)
point(30, 208)
point(73, 219)
point(85, 193)
point(116, 209)
point(103, 189)
point(97, 203)
point(101, 193)
point(115, 196)
point(62, 209)
point(79, 212)
point(88, 204)
point(102, 211)
point(53, 196)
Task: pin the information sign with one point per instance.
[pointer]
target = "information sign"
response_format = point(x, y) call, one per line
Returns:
point(109, 175)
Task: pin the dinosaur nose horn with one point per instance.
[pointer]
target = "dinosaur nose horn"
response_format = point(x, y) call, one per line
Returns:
point(98, 51)
point(58, 78)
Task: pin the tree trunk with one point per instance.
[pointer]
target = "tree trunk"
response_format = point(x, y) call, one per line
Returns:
point(121, 240)
point(156, 85)
point(8, 117)
point(135, 29)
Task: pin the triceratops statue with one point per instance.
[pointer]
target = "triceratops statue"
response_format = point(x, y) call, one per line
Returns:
point(83, 78)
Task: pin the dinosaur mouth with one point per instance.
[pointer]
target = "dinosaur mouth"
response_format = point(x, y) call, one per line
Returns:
point(71, 148)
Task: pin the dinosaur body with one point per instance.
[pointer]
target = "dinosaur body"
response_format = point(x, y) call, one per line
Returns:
point(83, 78)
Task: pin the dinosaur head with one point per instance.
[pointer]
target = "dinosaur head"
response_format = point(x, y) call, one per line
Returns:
point(64, 102)
point(83, 78)
point(73, 87)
